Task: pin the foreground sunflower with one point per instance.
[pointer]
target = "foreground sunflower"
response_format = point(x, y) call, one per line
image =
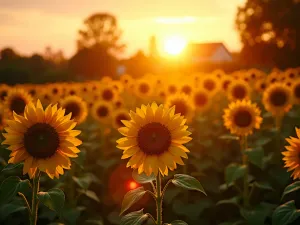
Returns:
point(154, 139)
point(183, 105)
point(242, 117)
point(76, 106)
point(291, 156)
point(44, 140)
point(16, 100)
point(277, 99)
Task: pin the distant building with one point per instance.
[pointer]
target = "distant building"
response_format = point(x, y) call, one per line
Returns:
point(207, 53)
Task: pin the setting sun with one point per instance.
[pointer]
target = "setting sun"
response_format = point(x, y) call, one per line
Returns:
point(174, 45)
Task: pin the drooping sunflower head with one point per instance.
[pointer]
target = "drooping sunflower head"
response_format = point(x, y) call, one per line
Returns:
point(201, 100)
point(292, 155)
point(118, 116)
point(277, 99)
point(43, 139)
point(241, 117)
point(76, 106)
point(183, 105)
point(238, 90)
point(16, 100)
point(154, 139)
point(102, 111)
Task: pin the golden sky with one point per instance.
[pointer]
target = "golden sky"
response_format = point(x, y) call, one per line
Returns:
point(28, 26)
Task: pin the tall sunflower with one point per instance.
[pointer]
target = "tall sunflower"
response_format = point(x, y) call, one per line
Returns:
point(242, 117)
point(183, 105)
point(102, 111)
point(16, 100)
point(76, 106)
point(44, 140)
point(154, 139)
point(277, 99)
point(291, 156)
point(238, 90)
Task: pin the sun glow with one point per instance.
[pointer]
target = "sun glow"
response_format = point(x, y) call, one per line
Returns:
point(174, 45)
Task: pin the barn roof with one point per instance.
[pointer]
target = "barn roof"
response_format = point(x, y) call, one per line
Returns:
point(205, 50)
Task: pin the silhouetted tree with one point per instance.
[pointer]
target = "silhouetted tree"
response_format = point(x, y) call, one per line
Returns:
point(270, 32)
point(92, 63)
point(100, 29)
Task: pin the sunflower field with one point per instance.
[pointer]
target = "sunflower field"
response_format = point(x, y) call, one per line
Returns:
point(197, 149)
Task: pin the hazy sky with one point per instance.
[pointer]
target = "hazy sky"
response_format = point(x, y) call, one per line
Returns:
point(30, 25)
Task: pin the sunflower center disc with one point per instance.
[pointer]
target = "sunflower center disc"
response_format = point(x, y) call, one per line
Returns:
point(243, 118)
point(18, 105)
point(3, 94)
point(41, 140)
point(172, 89)
point(180, 107)
point(239, 92)
point(297, 91)
point(73, 108)
point(107, 95)
point(226, 84)
point(187, 90)
point(209, 85)
point(278, 98)
point(154, 138)
point(200, 99)
point(102, 111)
point(144, 88)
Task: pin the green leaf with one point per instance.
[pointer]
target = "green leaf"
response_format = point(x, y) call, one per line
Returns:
point(11, 186)
point(71, 215)
point(142, 178)
point(178, 222)
point(232, 201)
point(90, 194)
point(255, 156)
point(96, 222)
point(229, 137)
point(291, 188)
point(187, 182)
point(262, 185)
point(54, 199)
point(257, 215)
point(10, 166)
point(134, 218)
point(285, 214)
point(12, 207)
point(234, 172)
point(132, 197)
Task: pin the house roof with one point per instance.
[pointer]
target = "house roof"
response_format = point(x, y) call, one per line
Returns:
point(205, 50)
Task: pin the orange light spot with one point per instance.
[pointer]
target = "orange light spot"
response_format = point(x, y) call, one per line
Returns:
point(132, 185)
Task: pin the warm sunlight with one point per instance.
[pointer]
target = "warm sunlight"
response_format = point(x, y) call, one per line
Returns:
point(174, 45)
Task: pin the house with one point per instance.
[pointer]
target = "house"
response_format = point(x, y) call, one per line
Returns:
point(207, 53)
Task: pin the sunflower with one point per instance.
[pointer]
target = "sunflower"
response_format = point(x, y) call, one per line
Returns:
point(260, 85)
point(16, 100)
point(296, 91)
point(241, 117)
point(186, 89)
point(277, 99)
point(4, 89)
point(108, 94)
point(183, 105)
point(76, 106)
point(106, 80)
point(210, 84)
point(201, 100)
point(118, 116)
point(225, 82)
point(44, 140)
point(143, 88)
point(55, 90)
point(126, 79)
point(291, 156)
point(101, 111)
point(171, 89)
point(117, 86)
point(238, 90)
point(154, 139)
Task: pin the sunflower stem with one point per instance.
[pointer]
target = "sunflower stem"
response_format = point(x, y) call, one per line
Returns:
point(158, 200)
point(35, 201)
point(245, 163)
